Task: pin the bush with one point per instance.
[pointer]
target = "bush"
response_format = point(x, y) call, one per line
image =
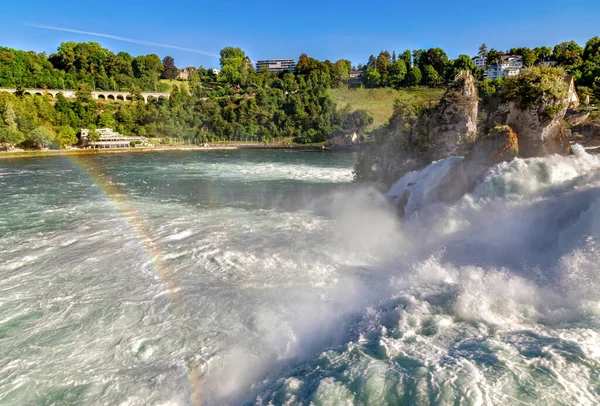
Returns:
point(39, 138)
point(538, 86)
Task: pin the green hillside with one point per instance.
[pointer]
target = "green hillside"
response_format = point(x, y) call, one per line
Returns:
point(380, 102)
point(171, 82)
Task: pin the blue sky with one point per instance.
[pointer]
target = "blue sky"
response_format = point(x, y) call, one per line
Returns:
point(285, 28)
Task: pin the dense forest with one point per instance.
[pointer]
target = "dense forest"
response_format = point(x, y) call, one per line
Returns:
point(432, 67)
point(271, 106)
point(239, 103)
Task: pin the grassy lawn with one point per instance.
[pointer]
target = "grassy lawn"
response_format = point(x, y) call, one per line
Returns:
point(380, 102)
point(174, 82)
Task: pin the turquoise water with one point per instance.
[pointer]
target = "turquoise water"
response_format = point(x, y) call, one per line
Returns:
point(266, 277)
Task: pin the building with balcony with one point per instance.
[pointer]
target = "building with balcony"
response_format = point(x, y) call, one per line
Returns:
point(277, 65)
point(108, 139)
point(508, 65)
point(480, 62)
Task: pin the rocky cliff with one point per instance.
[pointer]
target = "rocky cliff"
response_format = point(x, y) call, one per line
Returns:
point(451, 127)
point(418, 134)
point(525, 119)
point(533, 104)
point(501, 144)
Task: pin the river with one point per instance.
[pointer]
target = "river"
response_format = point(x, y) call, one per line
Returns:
point(267, 277)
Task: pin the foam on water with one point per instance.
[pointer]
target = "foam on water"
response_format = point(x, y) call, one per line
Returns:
point(267, 171)
point(489, 300)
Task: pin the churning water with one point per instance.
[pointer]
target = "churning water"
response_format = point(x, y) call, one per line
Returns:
point(266, 277)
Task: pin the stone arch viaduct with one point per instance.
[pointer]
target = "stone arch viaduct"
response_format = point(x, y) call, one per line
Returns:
point(99, 95)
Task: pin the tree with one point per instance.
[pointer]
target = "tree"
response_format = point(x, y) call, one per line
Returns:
point(93, 135)
point(195, 83)
point(230, 74)
point(462, 63)
point(591, 64)
point(591, 52)
point(431, 76)
point(406, 58)
point(340, 73)
point(170, 71)
point(530, 56)
point(306, 64)
point(228, 53)
point(10, 136)
point(543, 53)
point(437, 58)
point(136, 94)
point(569, 54)
point(397, 73)
point(235, 66)
point(483, 51)
point(84, 93)
point(40, 137)
point(359, 120)
point(414, 76)
point(417, 58)
point(493, 56)
point(596, 88)
point(66, 136)
point(487, 88)
point(383, 65)
point(372, 77)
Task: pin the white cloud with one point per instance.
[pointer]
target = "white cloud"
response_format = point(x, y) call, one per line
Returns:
point(132, 40)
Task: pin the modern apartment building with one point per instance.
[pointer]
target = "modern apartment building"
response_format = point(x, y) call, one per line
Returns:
point(277, 65)
point(508, 65)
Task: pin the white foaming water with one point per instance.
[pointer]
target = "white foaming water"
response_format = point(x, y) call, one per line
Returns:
point(419, 186)
point(268, 171)
point(489, 300)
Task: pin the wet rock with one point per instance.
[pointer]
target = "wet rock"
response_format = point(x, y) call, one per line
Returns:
point(500, 145)
point(449, 128)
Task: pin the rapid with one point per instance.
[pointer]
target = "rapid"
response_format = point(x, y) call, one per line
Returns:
point(269, 278)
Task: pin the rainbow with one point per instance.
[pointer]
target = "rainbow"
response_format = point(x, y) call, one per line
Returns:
point(137, 224)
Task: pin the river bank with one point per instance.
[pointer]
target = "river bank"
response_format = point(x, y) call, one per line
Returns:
point(43, 153)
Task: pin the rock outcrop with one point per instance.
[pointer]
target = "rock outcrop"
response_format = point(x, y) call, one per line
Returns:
point(451, 127)
point(539, 133)
point(588, 130)
point(533, 104)
point(575, 118)
point(525, 118)
point(500, 145)
point(417, 135)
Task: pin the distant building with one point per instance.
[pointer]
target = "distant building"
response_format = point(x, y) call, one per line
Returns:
point(480, 62)
point(108, 139)
point(216, 71)
point(277, 65)
point(185, 73)
point(341, 139)
point(355, 74)
point(508, 65)
point(547, 63)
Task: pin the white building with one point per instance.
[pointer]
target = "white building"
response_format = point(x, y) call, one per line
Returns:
point(277, 65)
point(480, 62)
point(509, 65)
point(108, 139)
point(216, 71)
